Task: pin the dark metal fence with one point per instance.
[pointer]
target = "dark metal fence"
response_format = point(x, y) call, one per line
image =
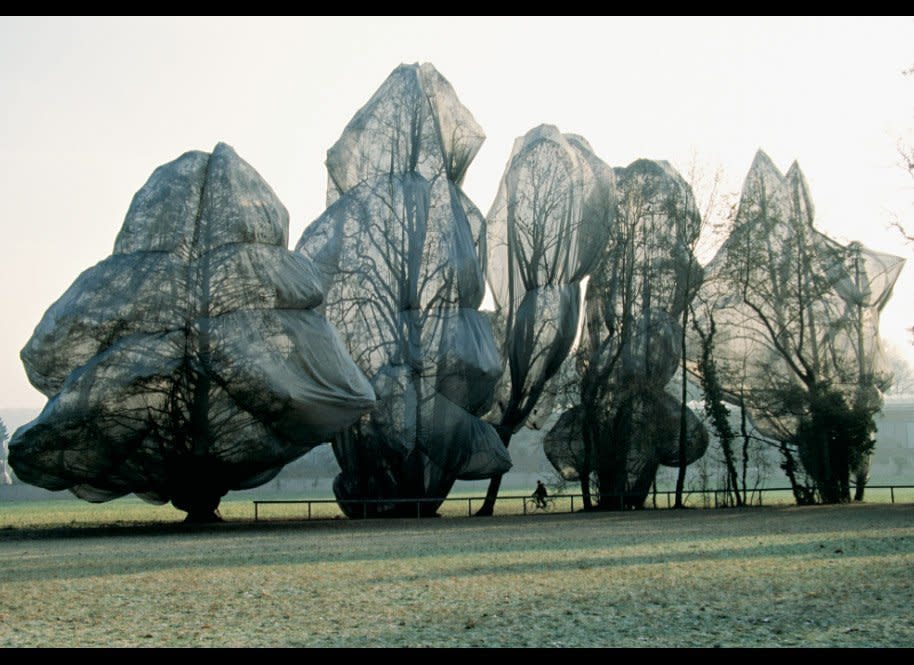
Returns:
point(559, 503)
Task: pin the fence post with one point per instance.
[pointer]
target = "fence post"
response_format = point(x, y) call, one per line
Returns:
point(309, 510)
point(892, 490)
point(572, 503)
point(524, 501)
point(255, 511)
point(470, 507)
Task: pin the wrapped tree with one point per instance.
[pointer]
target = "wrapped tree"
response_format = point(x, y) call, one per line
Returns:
point(401, 252)
point(866, 289)
point(546, 231)
point(190, 362)
point(627, 422)
point(797, 331)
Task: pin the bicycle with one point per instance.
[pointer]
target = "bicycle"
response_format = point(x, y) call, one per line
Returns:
point(532, 505)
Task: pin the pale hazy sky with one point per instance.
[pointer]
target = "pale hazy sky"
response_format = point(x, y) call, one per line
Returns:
point(91, 106)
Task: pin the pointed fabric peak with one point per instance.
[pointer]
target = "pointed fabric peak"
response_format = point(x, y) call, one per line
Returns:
point(761, 160)
point(168, 212)
point(799, 190)
point(413, 123)
point(763, 170)
point(552, 214)
point(164, 210)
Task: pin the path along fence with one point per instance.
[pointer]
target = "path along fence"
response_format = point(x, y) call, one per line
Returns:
point(523, 504)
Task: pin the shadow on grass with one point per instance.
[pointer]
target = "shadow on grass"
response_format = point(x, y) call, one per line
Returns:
point(561, 542)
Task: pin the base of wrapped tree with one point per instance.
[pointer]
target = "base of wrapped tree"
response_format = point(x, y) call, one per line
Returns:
point(619, 503)
point(200, 504)
point(203, 517)
point(373, 484)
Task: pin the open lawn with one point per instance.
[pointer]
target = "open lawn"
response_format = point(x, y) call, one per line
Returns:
point(816, 576)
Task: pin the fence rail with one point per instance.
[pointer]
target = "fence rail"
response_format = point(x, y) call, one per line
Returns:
point(719, 497)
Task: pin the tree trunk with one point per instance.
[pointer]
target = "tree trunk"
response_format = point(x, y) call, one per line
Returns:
point(800, 493)
point(201, 507)
point(680, 476)
point(585, 473)
point(732, 476)
point(585, 492)
point(860, 488)
point(195, 489)
point(488, 506)
point(613, 467)
point(202, 516)
point(861, 478)
point(744, 430)
point(683, 411)
point(861, 475)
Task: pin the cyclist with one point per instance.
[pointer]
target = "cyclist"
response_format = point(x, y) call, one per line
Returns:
point(539, 494)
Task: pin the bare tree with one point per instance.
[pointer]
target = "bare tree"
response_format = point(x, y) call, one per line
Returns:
point(401, 252)
point(698, 343)
point(690, 229)
point(190, 362)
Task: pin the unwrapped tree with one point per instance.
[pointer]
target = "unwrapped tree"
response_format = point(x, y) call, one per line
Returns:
point(546, 231)
point(401, 253)
point(192, 361)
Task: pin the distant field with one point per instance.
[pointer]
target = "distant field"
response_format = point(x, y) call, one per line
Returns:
point(819, 576)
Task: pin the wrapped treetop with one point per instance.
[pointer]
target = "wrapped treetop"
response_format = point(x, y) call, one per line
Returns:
point(191, 361)
point(399, 255)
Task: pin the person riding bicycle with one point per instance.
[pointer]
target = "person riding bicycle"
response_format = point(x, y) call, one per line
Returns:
point(539, 494)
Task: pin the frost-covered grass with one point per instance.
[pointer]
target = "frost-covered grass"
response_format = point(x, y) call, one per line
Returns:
point(835, 576)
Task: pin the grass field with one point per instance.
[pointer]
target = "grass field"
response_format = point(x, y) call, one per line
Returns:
point(817, 576)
